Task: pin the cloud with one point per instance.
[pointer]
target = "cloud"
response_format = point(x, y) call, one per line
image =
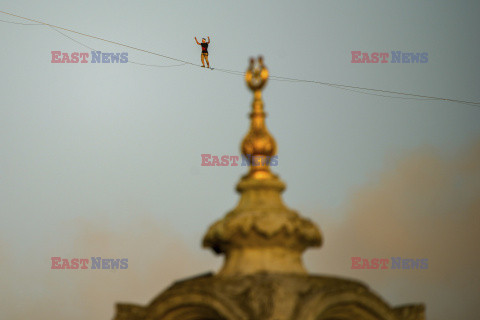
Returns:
point(421, 206)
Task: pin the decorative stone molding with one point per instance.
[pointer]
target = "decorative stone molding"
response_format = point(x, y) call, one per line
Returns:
point(267, 296)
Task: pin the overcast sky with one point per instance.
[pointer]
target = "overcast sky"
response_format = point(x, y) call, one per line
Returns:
point(104, 159)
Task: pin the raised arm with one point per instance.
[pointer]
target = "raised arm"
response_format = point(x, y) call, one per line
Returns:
point(197, 40)
point(208, 40)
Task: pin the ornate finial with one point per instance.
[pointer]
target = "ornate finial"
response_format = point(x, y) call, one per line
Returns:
point(261, 234)
point(258, 145)
point(257, 75)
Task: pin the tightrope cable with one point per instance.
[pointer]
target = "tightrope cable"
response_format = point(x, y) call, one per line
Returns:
point(356, 89)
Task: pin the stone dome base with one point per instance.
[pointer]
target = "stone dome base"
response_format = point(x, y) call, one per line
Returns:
point(267, 296)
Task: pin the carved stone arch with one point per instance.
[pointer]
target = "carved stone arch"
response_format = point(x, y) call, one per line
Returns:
point(346, 306)
point(194, 306)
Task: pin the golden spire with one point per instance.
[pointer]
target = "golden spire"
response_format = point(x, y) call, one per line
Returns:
point(261, 234)
point(258, 145)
